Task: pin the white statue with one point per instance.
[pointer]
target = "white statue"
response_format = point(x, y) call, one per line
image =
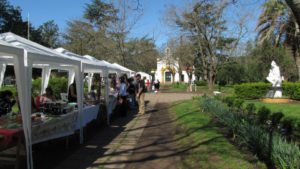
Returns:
point(275, 78)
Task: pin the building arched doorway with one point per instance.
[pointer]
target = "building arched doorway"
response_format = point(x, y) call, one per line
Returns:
point(168, 74)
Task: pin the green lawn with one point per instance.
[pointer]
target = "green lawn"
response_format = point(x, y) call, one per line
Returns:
point(227, 90)
point(289, 110)
point(211, 150)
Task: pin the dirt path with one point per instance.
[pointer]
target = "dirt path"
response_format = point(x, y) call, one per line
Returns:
point(157, 145)
point(131, 142)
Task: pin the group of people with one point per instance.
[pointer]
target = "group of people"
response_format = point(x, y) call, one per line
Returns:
point(7, 100)
point(131, 93)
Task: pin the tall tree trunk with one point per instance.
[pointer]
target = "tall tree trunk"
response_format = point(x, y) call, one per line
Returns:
point(295, 7)
point(211, 82)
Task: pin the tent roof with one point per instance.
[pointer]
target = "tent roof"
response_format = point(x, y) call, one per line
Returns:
point(7, 51)
point(38, 52)
point(88, 64)
point(122, 67)
point(112, 66)
point(143, 74)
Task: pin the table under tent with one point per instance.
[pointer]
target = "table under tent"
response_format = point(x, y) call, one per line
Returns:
point(8, 55)
point(25, 55)
point(39, 56)
point(107, 68)
point(111, 95)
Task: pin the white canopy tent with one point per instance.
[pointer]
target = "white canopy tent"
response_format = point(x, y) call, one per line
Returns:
point(10, 54)
point(113, 68)
point(124, 69)
point(36, 55)
point(143, 74)
point(91, 66)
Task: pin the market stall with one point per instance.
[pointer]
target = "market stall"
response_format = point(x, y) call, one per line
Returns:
point(56, 119)
point(130, 73)
point(90, 66)
point(10, 54)
point(110, 94)
point(35, 55)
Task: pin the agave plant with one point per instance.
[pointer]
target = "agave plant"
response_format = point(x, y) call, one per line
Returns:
point(271, 148)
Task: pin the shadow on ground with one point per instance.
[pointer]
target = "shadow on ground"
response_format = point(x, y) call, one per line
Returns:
point(54, 154)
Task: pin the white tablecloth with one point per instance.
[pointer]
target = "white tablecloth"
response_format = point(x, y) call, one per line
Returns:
point(89, 114)
point(112, 102)
point(55, 127)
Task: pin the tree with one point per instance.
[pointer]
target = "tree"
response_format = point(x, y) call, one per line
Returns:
point(295, 7)
point(11, 21)
point(278, 25)
point(100, 14)
point(50, 34)
point(127, 17)
point(142, 54)
point(185, 53)
point(205, 27)
point(78, 36)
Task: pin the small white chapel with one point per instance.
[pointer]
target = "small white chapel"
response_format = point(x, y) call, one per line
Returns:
point(168, 69)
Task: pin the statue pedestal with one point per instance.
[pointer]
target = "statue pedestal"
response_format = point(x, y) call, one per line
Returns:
point(278, 94)
point(276, 100)
point(274, 92)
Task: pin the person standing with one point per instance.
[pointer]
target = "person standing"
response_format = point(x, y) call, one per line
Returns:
point(6, 102)
point(123, 96)
point(156, 85)
point(131, 95)
point(140, 94)
point(72, 94)
point(148, 84)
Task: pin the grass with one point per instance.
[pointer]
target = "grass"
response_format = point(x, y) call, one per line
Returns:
point(227, 90)
point(289, 110)
point(211, 147)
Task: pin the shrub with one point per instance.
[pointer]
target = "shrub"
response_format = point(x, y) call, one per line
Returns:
point(180, 85)
point(251, 90)
point(200, 83)
point(58, 85)
point(259, 90)
point(36, 87)
point(238, 103)
point(276, 118)
point(284, 155)
point(229, 100)
point(263, 114)
point(13, 89)
point(250, 108)
point(291, 89)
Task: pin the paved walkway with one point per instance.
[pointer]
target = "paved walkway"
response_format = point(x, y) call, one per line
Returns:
point(142, 142)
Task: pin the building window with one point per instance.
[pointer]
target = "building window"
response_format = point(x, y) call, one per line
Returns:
point(168, 76)
point(182, 77)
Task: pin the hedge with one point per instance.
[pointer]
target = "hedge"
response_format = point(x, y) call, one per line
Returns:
point(58, 85)
point(260, 89)
point(292, 90)
point(251, 90)
point(200, 83)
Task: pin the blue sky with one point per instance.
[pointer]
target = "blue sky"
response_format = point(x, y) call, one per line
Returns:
point(151, 22)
